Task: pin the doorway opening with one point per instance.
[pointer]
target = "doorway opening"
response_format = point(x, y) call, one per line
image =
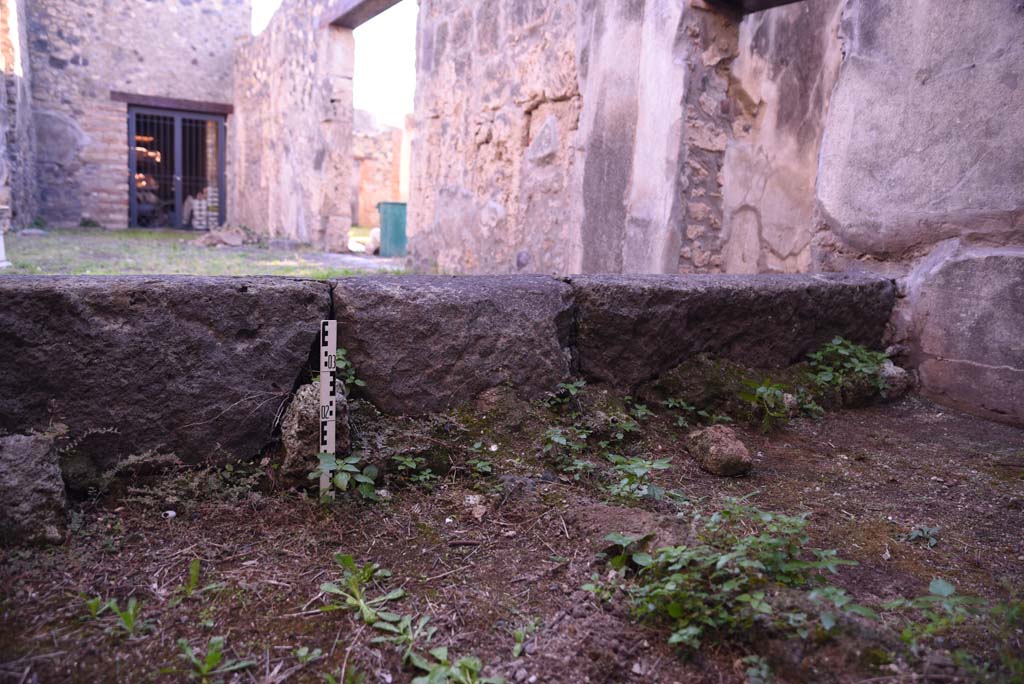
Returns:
point(176, 163)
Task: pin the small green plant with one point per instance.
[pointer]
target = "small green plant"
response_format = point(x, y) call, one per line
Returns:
point(622, 426)
point(354, 582)
point(349, 676)
point(346, 372)
point(212, 664)
point(690, 414)
point(519, 636)
point(95, 607)
point(87, 222)
point(724, 585)
point(633, 477)
point(924, 535)
point(480, 466)
point(940, 610)
point(757, 671)
point(342, 474)
point(639, 411)
point(440, 670)
point(305, 655)
point(408, 633)
point(191, 586)
point(807, 404)
point(767, 400)
point(129, 621)
point(566, 392)
point(414, 469)
point(565, 444)
point(841, 361)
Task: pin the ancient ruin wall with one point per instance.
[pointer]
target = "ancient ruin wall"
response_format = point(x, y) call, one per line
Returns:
point(922, 177)
point(783, 76)
point(17, 142)
point(497, 107)
point(80, 52)
point(291, 138)
point(377, 168)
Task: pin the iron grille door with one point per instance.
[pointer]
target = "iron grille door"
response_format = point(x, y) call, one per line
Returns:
point(176, 162)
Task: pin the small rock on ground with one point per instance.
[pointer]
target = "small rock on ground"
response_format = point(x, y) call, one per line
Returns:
point(33, 506)
point(300, 431)
point(897, 380)
point(719, 451)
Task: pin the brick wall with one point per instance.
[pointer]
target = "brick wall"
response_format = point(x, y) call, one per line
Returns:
point(80, 51)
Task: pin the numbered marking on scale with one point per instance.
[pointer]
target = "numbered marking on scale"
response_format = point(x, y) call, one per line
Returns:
point(328, 396)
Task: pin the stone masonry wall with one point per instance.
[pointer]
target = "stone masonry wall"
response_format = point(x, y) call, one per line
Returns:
point(782, 79)
point(17, 142)
point(497, 107)
point(377, 170)
point(291, 141)
point(885, 135)
point(81, 51)
point(560, 137)
point(921, 177)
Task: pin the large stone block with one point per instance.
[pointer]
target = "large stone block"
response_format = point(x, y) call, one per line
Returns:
point(32, 500)
point(967, 310)
point(428, 343)
point(925, 126)
point(633, 328)
point(195, 366)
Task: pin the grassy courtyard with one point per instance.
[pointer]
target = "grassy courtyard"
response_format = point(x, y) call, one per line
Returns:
point(147, 251)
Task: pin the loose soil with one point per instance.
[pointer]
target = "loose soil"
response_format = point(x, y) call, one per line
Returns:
point(484, 555)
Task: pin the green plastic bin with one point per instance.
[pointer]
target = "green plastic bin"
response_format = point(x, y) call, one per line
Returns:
point(392, 228)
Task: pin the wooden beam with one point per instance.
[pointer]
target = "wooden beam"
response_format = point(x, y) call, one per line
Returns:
point(749, 6)
point(352, 13)
point(197, 106)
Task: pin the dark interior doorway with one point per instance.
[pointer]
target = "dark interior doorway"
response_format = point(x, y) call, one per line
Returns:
point(176, 162)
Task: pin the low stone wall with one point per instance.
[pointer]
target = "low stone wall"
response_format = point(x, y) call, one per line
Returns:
point(203, 368)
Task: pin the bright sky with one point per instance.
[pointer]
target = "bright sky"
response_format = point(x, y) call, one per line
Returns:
point(385, 76)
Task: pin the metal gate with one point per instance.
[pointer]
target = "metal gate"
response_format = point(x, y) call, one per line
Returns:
point(176, 167)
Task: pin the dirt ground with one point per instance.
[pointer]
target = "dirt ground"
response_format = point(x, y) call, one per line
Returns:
point(487, 554)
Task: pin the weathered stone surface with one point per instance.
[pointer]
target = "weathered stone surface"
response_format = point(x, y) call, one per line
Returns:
point(18, 140)
point(897, 381)
point(82, 50)
point(633, 328)
point(425, 344)
point(967, 315)
point(497, 108)
point(782, 79)
point(32, 500)
point(719, 451)
point(291, 142)
point(195, 366)
point(377, 170)
point(300, 432)
point(924, 129)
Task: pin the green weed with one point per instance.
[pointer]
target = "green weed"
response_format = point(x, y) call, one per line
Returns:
point(632, 477)
point(129, 621)
point(841, 361)
point(440, 670)
point(212, 663)
point(353, 586)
